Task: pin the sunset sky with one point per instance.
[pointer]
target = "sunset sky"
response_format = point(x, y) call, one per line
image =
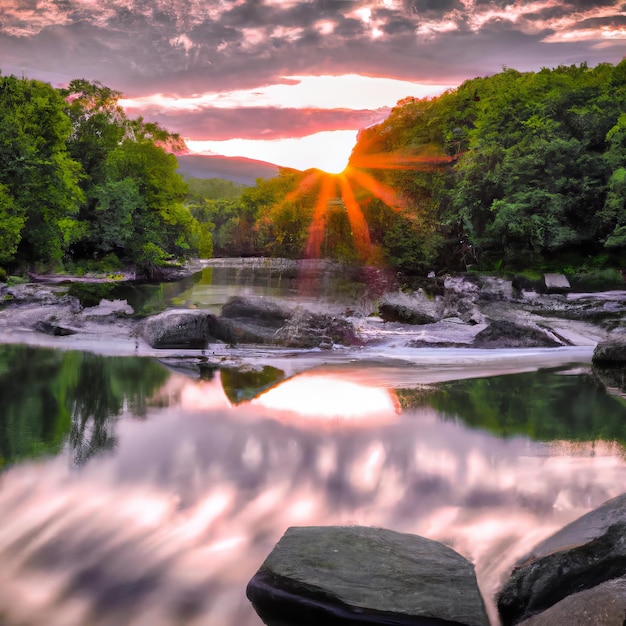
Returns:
point(290, 82)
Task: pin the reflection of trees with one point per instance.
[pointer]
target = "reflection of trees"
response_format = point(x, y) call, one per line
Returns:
point(49, 396)
point(104, 388)
point(544, 408)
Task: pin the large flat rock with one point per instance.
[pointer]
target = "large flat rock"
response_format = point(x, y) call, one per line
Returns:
point(338, 575)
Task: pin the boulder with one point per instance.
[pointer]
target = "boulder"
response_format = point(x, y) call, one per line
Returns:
point(604, 605)
point(260, 320)
point(415, 309)
point(181, 328)
point(506, 334)
point(583, 555)
point(611, 353)
point(261, 310)
point(357, 575)
point(252, 319)
point(556, 283)
point(306, 329)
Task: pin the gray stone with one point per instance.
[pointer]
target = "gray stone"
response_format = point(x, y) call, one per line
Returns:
point(506, 334)
point(589, 551)
point(611, 352)
point(556, 283)
point(263, 311)
point(416, 309)
point(604, 605)
point(358, 575)
point(181, 328)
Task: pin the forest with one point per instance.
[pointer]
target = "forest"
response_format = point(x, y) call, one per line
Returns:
point(515, 170)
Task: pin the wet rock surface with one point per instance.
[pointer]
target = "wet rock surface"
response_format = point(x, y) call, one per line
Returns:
point(611, 353)
point(604, 605)
point(584, 555)
point(340, 575)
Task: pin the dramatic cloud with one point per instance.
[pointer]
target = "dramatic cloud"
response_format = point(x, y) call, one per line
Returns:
point(185, 50)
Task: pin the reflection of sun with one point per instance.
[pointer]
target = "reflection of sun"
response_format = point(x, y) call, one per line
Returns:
point(324, 396)
point(338, 188)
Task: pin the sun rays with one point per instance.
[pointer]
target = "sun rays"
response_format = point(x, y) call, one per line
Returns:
point(342, 190)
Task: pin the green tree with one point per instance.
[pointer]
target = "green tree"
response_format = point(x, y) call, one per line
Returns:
point(36, 169)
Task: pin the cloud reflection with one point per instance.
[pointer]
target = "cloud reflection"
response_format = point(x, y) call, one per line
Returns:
point(171, 529)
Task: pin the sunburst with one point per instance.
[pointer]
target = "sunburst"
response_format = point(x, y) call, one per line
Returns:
point(340, 188)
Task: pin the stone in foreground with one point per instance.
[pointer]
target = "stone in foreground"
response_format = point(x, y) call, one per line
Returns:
point(604, 605)
point(338, 575)
point(583, 555)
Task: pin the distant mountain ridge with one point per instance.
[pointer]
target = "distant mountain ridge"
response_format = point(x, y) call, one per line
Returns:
point(236, 169)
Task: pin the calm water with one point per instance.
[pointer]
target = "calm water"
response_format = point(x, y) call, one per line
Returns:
point(305, 282)
point(133, 494)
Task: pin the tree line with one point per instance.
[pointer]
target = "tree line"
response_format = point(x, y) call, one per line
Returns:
point(79, 180)
point(512, 170)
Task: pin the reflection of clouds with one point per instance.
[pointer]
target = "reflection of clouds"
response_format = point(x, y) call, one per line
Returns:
point(174, 525)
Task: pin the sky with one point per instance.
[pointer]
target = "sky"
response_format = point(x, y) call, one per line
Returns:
point(292, 81)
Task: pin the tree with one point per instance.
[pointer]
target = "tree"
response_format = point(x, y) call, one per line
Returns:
point(36, 169)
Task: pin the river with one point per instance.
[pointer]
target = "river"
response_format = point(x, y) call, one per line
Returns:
point(135, 492)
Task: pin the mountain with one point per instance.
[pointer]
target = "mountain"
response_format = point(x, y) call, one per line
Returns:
point(237, 169)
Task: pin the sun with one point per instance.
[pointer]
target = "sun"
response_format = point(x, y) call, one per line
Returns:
point(337, 183)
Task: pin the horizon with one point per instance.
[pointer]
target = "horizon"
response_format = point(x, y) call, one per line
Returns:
point(290, 82)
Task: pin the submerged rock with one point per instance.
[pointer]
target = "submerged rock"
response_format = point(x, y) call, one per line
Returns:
point(585, 554)
point(339, 575)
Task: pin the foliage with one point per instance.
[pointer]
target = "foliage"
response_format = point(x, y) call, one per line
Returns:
point(79, 180)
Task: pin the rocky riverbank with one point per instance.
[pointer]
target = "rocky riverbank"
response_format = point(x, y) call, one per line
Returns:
point(469, 311)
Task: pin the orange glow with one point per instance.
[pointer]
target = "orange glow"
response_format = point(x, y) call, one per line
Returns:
point(323, 396)
point(381, 191)
point(398, 160)
point(429, 159)
point(318, 223)
point(360, 229)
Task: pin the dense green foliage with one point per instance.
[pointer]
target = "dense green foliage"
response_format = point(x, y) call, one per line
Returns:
point(536, 173)
point(513, 170)
point(80, 181)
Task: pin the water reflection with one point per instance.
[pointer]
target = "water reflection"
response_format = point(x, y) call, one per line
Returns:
point(170, 528)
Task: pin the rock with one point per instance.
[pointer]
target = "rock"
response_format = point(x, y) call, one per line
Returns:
point(253, 320)
point(260, 320)
point(603, 605)
point(416, 309)
point(50, 328)
point(556, 283)
point(506, 334)
point(181, 329)
point(611, 352)
point(306, 329)
point(584, 554)
point(357, 575)
point(264, 312)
